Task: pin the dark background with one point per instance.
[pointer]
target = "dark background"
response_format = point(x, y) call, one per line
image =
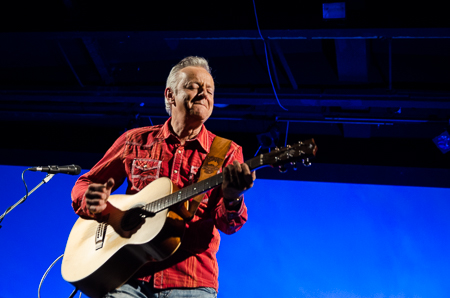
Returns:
point(372, 89)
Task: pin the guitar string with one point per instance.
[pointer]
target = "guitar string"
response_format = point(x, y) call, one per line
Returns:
point(183, 194)
point(190, 191)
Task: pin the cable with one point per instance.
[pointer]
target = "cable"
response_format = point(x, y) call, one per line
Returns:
point(18, 203)
point(26, 187)
point(267, 59)
point(258, 150)
point(45, 274)
point(287, 130)
point(45, 180)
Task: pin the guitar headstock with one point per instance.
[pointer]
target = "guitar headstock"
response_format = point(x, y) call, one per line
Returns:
point(302, 151)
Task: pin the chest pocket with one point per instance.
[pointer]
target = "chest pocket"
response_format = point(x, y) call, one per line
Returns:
point(144, 171)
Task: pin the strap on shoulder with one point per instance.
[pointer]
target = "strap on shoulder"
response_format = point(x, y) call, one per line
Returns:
point(211, 165)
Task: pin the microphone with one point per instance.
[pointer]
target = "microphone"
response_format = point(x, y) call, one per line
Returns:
point(70, 169)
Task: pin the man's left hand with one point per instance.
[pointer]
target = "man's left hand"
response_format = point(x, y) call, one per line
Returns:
point(237, 178)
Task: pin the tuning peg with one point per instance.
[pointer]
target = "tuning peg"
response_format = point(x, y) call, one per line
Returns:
point(294, 165)
point(306, 162)
point(276, 149)
point(282, 169)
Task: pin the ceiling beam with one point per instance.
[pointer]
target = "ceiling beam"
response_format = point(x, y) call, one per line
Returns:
point(366, 33)
point(285, 65)
point(70, 65)
point(92, 47)
point(151, 96)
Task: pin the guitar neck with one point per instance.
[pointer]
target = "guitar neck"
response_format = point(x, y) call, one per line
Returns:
point(302, 150)
point(195, 189)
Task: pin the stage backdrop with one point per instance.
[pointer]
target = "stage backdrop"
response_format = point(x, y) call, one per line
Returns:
point(302, 239)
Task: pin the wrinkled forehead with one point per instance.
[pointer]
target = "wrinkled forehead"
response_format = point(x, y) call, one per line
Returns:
point(195, 74)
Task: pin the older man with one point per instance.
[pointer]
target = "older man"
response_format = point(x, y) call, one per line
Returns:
point(175, 150)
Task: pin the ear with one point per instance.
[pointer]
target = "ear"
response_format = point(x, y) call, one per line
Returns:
point(170, 96)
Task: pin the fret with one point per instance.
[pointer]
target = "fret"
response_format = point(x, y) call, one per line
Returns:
point(173, 199)
point(213, 182)
point(254, 163)
point(179, 196)
point(219, 179)
point(201, 187)
point(188, 191)
point(194, 188)
point(155, 206)
point(150, 207)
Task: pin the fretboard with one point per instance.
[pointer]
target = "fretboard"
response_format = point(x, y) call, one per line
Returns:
point(196, 189)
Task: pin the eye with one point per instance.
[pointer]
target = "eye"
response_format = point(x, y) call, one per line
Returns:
point(192, 86)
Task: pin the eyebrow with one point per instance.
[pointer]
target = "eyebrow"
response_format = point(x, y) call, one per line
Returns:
point(197, 82)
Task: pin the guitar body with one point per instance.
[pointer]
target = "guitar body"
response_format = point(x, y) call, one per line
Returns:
point(100, 257)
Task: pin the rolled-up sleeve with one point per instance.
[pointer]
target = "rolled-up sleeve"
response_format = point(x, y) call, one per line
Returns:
point(229, 221)
point(110, 166)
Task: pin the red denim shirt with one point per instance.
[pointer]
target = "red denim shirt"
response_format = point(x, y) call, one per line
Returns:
point(144, 154)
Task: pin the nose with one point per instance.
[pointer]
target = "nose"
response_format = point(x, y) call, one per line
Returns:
point(202, 92)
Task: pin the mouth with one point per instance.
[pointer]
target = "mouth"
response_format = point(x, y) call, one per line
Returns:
point(200, 102)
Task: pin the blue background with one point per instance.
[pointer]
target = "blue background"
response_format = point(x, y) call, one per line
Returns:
point(303, 239)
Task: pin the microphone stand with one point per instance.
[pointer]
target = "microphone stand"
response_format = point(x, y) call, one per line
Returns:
point(45, 180)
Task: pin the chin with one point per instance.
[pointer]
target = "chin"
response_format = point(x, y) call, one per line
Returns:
point(200, 116)
point(201, 113)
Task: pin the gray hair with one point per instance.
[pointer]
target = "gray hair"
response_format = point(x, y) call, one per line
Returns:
point(173, 78)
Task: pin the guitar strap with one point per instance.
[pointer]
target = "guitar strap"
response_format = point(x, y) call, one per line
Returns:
point(211, 165)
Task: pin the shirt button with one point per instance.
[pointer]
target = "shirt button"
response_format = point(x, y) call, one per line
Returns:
point(179, 151)
point(175, 171)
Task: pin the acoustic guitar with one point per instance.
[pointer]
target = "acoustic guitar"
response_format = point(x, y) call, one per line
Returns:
point(145, 227)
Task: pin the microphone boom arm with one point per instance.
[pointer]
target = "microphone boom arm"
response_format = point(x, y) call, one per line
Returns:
point(45, 180)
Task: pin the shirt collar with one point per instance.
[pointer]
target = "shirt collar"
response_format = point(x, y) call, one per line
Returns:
point(202, 138)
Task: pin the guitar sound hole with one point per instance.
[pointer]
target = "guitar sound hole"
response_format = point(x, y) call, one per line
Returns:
point(132, 219)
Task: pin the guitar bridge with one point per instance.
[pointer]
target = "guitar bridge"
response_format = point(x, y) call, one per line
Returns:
point(100, 235)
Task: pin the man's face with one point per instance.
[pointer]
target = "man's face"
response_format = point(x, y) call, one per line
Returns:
point(194, 98)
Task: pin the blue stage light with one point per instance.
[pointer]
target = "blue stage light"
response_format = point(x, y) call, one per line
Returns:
point(442, 141)
point(333, 10)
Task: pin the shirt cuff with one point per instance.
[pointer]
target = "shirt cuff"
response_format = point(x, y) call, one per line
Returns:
point(237, 212)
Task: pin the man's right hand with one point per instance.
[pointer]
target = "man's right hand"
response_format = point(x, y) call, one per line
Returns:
point(96, 196)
